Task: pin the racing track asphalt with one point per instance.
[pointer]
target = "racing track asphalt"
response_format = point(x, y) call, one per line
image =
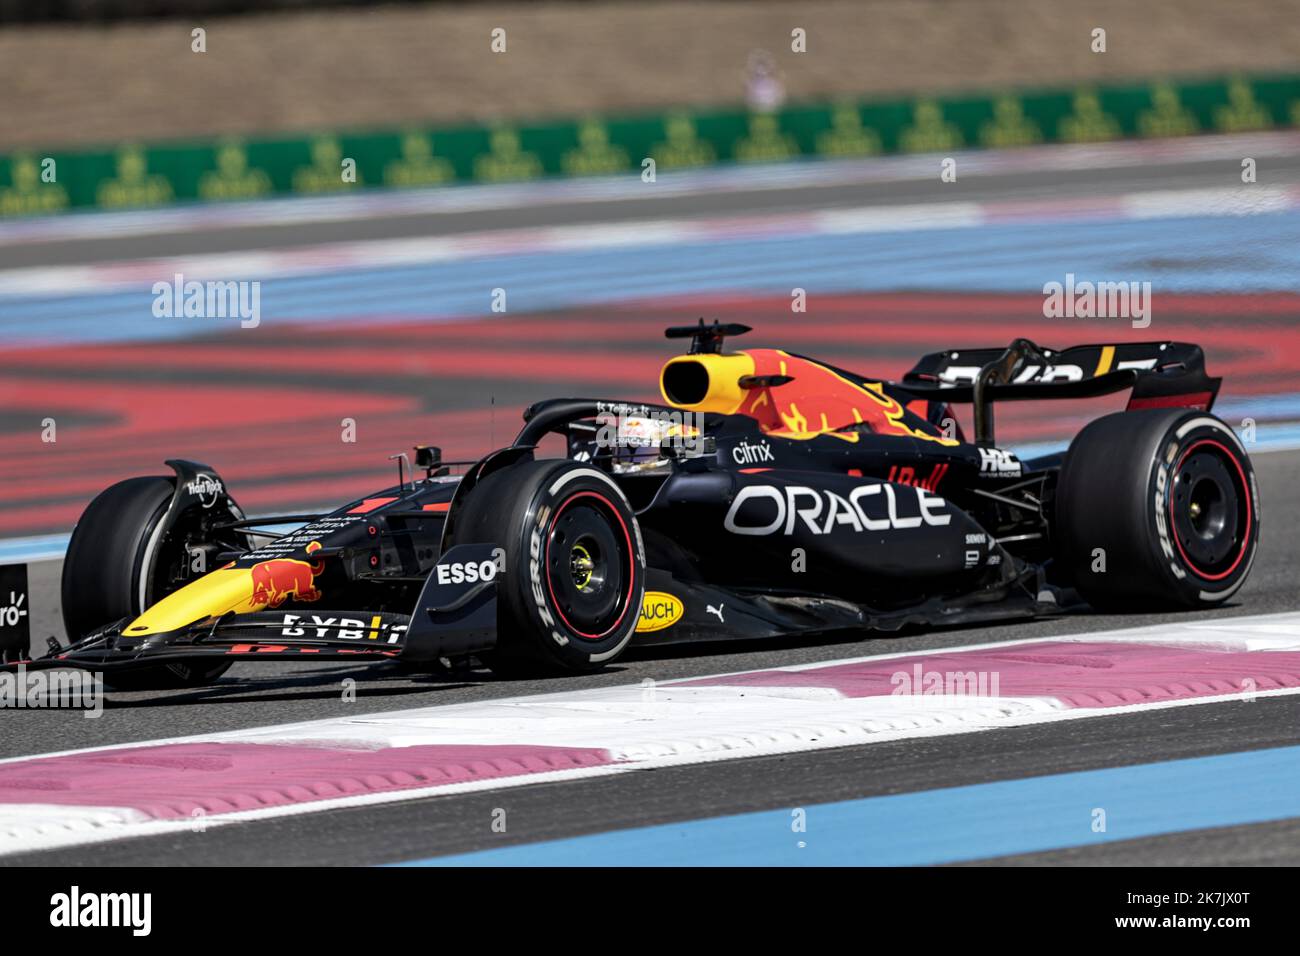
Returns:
point(441, 825)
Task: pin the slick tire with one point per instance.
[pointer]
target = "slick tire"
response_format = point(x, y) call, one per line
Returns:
point(570, 597)
point(1157, 508)
point(109, 573)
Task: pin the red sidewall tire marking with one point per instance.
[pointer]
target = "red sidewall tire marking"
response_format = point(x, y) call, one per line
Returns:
point(631, 556)
point(1245, 494)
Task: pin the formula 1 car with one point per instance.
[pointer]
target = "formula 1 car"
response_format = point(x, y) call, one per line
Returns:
point(768, 495)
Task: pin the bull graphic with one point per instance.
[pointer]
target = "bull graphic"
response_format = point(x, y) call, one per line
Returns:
point(275, 581)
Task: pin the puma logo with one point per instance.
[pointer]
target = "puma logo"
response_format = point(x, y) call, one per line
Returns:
point(716, 610)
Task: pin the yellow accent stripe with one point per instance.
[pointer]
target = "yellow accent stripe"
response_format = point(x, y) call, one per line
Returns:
point(374, 622)
point(1107, 356)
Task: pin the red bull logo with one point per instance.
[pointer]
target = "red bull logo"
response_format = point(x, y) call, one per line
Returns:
point(279, 579)
point(818, 401)
point(906, 475)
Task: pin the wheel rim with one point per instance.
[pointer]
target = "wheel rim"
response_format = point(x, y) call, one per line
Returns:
point(1210, 510)
point(589, 569)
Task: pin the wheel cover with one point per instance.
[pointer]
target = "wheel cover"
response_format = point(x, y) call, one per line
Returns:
point(1210, 510)
point(589, 565)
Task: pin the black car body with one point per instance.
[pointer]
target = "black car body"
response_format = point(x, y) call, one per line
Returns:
point(769, 494)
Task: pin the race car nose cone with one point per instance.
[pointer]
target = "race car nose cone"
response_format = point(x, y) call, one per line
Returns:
point(212, 595)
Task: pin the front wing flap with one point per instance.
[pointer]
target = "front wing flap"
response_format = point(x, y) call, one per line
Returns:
point(315, 634)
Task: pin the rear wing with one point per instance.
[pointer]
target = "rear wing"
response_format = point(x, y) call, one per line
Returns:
point(1160, 374)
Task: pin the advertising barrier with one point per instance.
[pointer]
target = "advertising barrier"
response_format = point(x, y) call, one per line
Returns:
point(134, 175)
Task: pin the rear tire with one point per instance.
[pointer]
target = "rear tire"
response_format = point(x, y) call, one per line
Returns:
point(1157, 508)
point(570, 597)
point(109, 572)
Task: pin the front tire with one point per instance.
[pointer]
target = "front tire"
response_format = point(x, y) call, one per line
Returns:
point(571, 594)
point(1157, 508)
point(115, 567)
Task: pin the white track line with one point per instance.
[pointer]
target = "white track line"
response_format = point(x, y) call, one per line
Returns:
point(325, 258)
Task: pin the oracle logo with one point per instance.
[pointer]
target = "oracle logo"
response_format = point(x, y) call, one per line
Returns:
point(874, 507)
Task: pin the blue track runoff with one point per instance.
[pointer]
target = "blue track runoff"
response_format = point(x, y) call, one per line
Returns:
point(996, 257)
point(52, 547)
point(946, 826)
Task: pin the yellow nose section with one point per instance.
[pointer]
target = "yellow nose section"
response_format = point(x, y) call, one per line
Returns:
point(214, 594)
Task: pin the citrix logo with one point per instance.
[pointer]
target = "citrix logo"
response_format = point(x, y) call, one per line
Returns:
point(821, 511)
point(747, 454)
